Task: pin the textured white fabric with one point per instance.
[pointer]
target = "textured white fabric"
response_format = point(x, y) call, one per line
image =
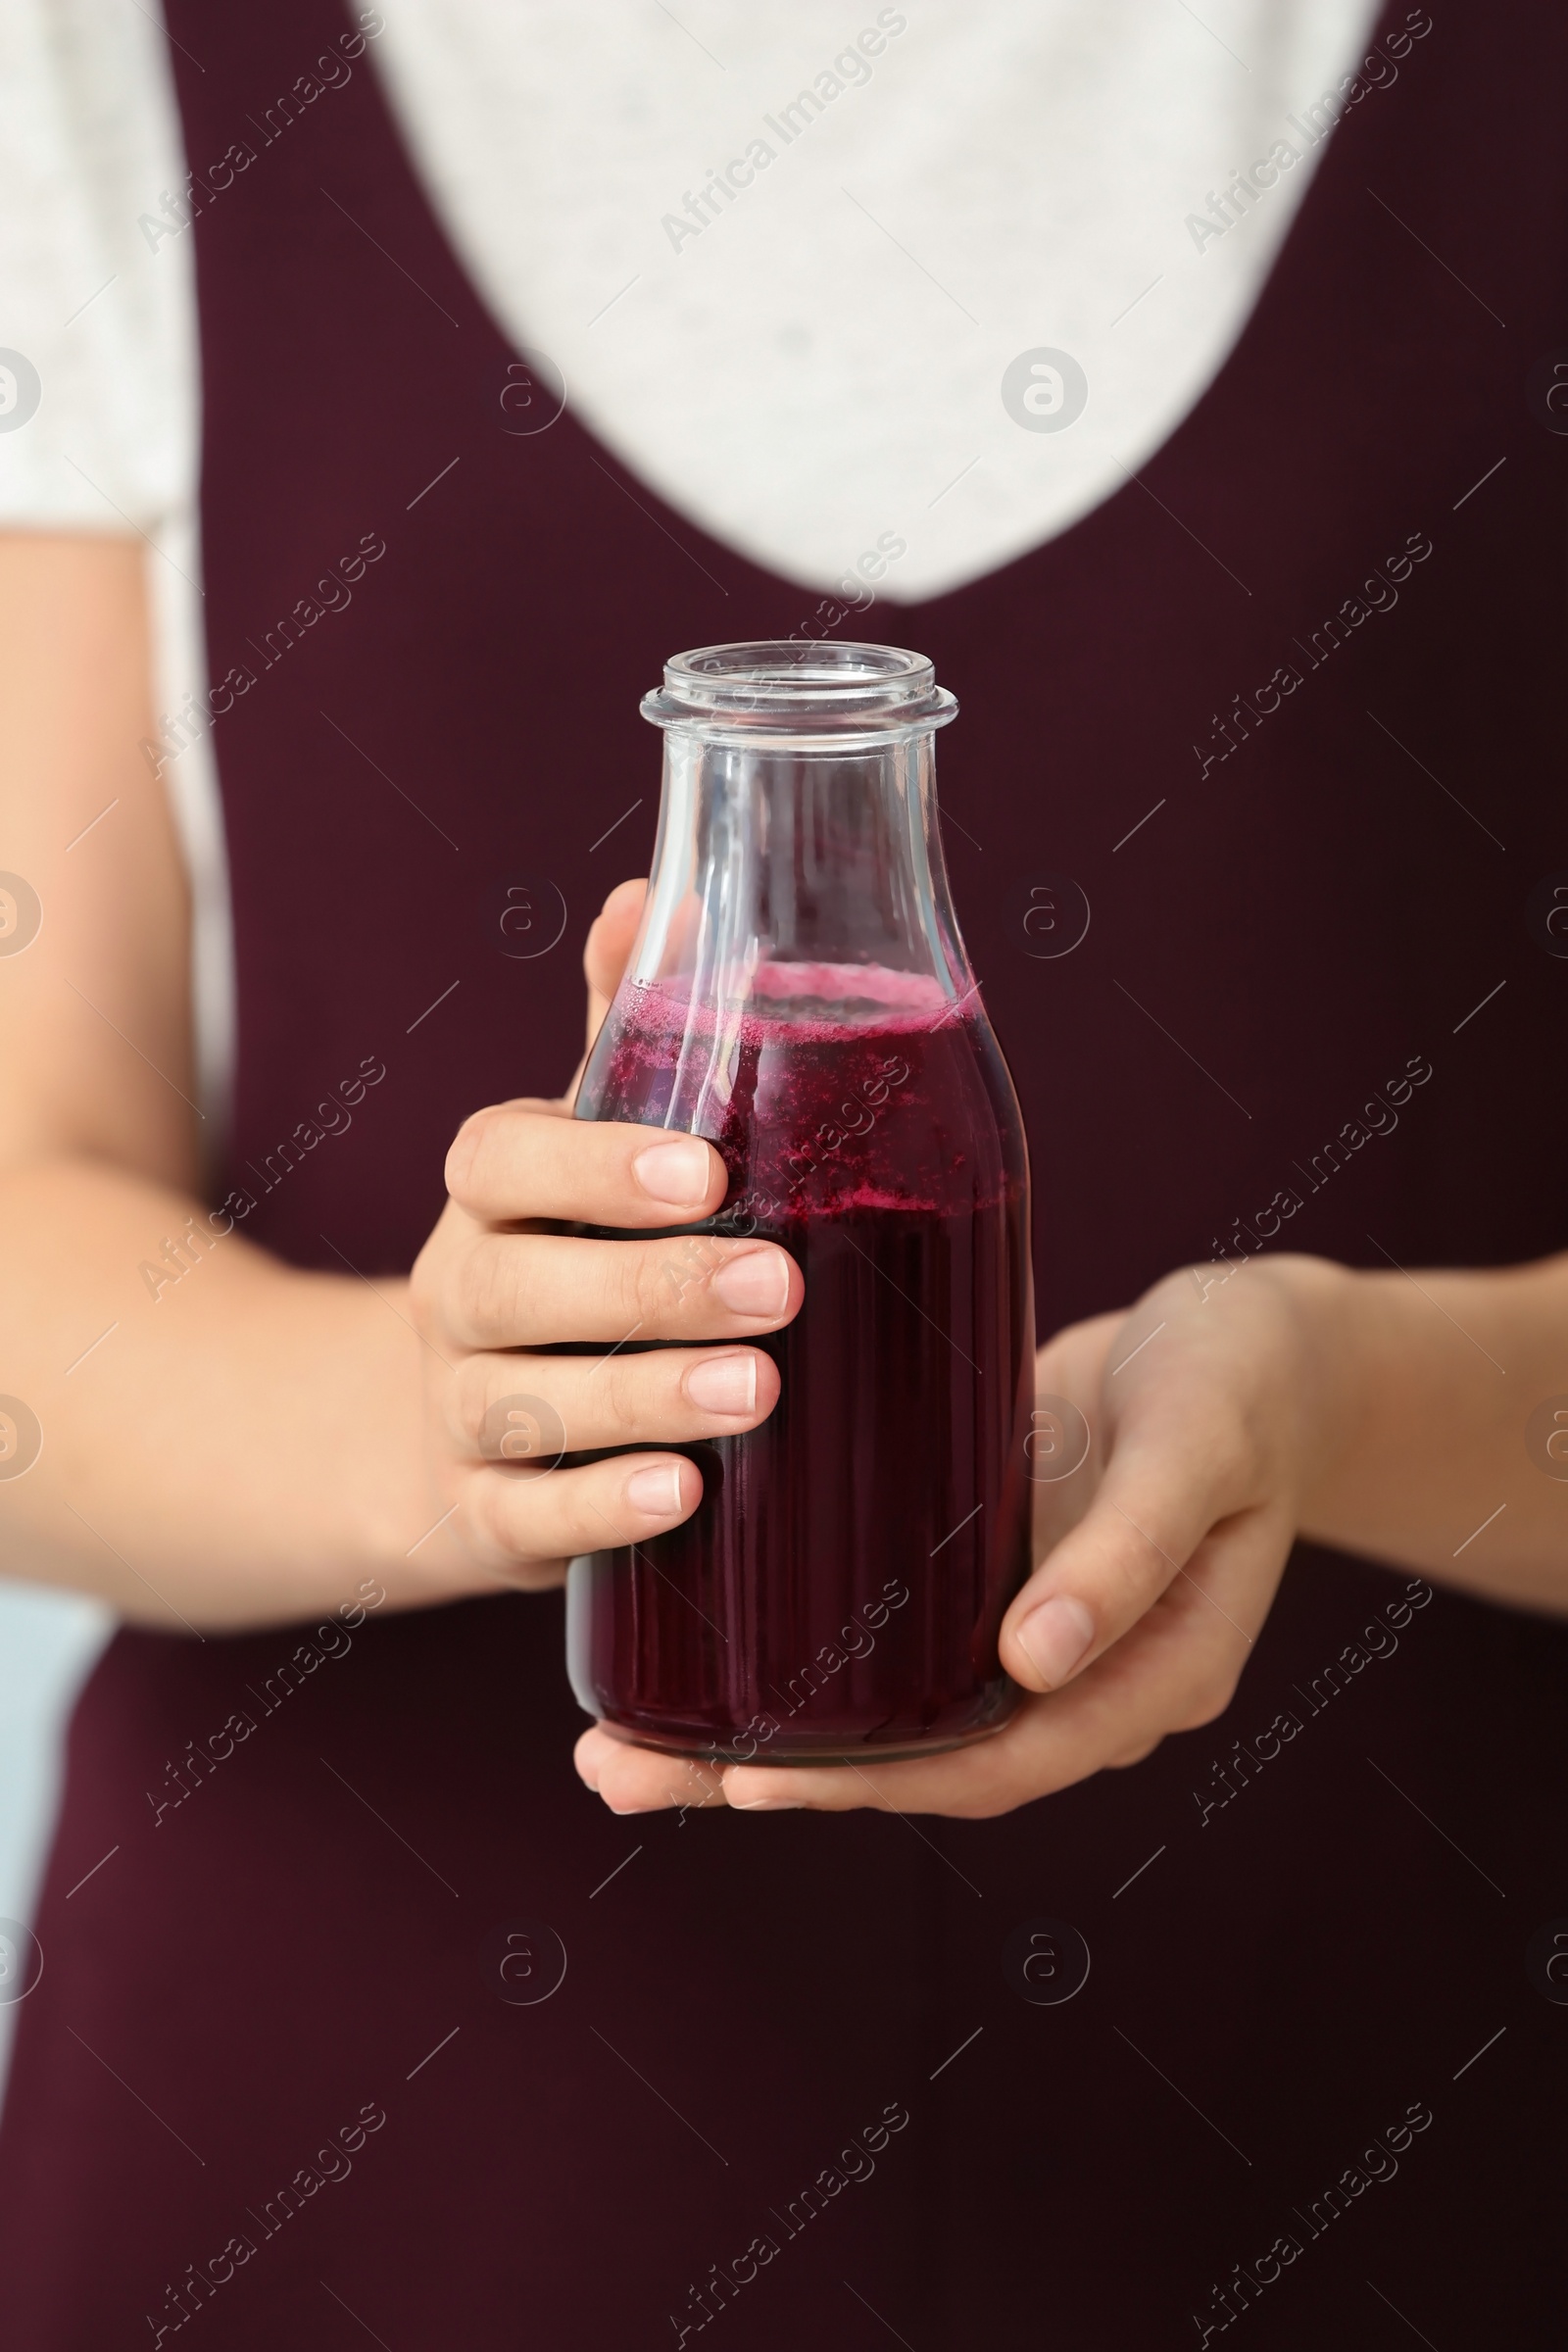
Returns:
point(88, 138)
point(811, 367)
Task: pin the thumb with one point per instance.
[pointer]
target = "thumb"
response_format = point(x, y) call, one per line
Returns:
point(1150, 1515)
point(609, 944)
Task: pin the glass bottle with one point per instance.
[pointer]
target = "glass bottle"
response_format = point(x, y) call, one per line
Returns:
point(800, 994)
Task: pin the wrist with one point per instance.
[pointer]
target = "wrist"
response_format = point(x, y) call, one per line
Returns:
point(1327, 1306)
point(378, 1491)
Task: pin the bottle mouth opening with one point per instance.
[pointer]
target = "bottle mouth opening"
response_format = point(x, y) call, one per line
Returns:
point(782, 687)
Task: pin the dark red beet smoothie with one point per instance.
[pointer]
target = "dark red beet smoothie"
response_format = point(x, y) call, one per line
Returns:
point(840, 1587)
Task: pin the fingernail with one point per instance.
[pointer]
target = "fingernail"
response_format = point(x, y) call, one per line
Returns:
point(772, 1804)
point(655, 1492)
point(723, 1384)
point(1054, 1637)
point(756, 1284)
point(675, 1173)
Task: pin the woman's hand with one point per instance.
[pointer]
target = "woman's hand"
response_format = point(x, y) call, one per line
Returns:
point(498, 1281)
point(1212, 1413)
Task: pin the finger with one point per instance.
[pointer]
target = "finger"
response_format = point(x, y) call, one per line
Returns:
point(640, 1780)
point(520, 1407)
point(1065, 1464)
point(519, 1521)
point(609, 943)
point(1162, 1492)
point(1176, 1669)
point(532, 1290)
point(512, 1162)
point(1049, 1743)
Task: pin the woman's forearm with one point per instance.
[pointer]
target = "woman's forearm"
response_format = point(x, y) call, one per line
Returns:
point(238, 1442)
point(1438, 1389)
point(226, 1441)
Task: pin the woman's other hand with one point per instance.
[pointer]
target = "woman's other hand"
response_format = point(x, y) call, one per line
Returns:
point(1211, 1412)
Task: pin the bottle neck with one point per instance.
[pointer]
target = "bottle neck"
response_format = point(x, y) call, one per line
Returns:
point(771, 856)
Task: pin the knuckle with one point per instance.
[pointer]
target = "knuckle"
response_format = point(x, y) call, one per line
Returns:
point(1000, 1786)
point(467, 1150)
point(650, 1288)
point(468, 1400)
point(622, 1409)
point(1001, 1792)
point(424, 1289)
point(1232, 1456)
point(504, 1513)
point(483, 1507)
point(1135, 1754)
point(540, 1573)
point(484, 1288)
point(989, 1807)
point(1211, 1697)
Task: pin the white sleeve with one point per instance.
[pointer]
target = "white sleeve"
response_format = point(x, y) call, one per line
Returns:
point(98, 302)
point(99, 383)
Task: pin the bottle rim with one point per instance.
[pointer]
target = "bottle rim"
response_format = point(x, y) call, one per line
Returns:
point(784, 686)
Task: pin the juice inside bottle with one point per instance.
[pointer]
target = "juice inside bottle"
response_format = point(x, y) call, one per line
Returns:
point(839, 1589)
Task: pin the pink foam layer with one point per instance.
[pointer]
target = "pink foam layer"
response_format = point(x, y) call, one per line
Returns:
point(895, 1003)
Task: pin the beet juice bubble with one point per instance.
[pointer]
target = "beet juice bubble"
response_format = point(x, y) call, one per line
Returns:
point(798, 993)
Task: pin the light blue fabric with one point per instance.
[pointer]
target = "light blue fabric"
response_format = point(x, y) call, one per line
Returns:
point(48, 1645)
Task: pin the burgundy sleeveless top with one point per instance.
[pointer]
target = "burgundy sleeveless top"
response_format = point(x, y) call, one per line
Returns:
point(301, 2068)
